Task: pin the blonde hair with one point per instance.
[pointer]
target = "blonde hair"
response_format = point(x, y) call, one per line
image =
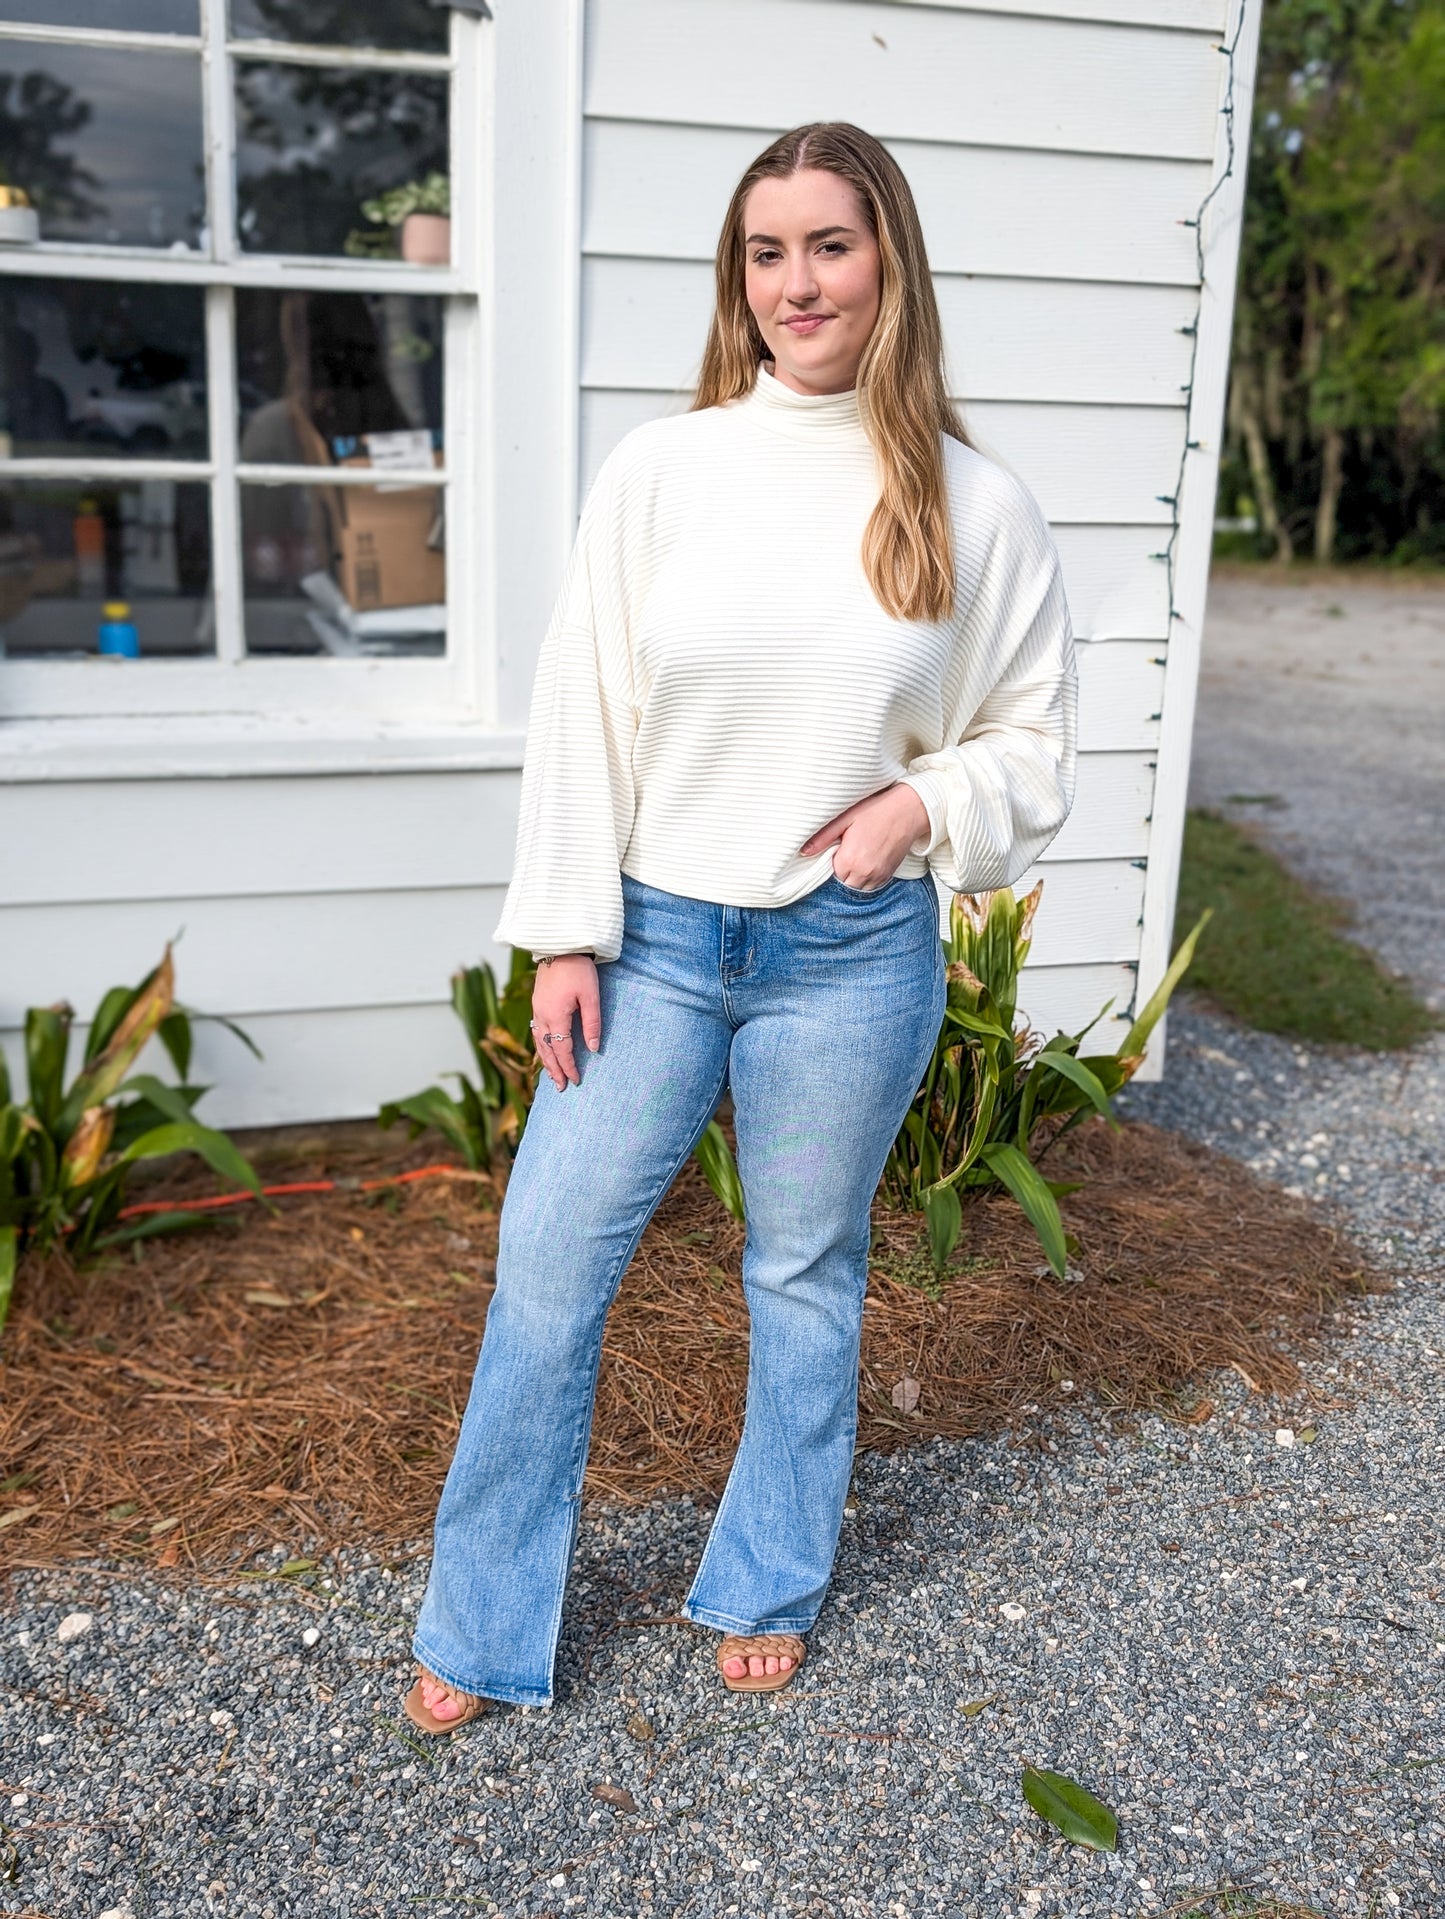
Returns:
point(902, 394)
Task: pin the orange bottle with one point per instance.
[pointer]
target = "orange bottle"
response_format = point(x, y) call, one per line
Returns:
point(89, 548)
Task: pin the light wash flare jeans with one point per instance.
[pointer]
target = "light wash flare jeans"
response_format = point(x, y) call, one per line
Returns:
point(821, 1016)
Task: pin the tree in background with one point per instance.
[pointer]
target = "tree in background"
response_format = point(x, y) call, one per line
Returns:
point(39, 114)
point(1338, 373)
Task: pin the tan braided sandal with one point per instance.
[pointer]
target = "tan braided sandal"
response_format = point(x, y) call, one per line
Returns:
point(780, 1645)
point(421, 1715)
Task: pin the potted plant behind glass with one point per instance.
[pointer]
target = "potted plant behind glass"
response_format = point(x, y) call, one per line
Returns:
point(422, 210)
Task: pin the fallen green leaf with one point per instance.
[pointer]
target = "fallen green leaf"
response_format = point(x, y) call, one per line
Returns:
point(1077, 1814)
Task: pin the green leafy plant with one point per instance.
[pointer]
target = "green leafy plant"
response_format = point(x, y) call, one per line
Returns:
point(431, 194)
point(67, 1151)
point(992, 1088)
point(720, 1169)
point(478, 1119)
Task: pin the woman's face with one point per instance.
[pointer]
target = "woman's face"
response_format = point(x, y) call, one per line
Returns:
point(813, 278)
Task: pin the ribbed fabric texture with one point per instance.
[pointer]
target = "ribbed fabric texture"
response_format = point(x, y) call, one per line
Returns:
point(718, 679)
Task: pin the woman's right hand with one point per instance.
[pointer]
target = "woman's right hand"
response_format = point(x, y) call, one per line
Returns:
point(565, 987)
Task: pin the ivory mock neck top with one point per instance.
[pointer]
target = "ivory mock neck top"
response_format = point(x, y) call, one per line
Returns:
point(718, 679)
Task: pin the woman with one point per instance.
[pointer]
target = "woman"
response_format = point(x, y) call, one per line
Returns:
point(811, 650)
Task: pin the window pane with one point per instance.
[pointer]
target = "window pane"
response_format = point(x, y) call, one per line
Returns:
point(65, 550)
point(127, 16)
point(100, 367)
point(346, 570)
point(344, 364)
point(107, 144)
point(313, 143)
point(413, 25)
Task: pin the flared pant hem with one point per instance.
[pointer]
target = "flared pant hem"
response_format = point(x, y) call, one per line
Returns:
point(746, 1628)
point(507, 1695)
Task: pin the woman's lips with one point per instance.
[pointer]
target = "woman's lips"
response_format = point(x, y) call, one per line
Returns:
point(807, 322)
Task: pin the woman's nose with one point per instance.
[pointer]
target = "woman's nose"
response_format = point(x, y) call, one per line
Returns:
point(802, 283)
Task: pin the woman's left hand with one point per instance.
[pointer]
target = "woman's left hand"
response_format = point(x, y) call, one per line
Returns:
point(872, 837)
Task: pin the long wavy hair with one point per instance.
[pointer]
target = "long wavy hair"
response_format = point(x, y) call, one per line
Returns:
point(902, 393)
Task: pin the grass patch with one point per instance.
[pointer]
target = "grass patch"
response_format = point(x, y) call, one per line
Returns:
point(1274, 955)
point(1237, 1903)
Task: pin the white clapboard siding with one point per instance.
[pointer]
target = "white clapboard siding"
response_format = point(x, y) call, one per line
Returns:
point(223, 839)
point(1121, 685)
point(337, 1065)
point(1052, 998)
point(1112, 800)
point(659, 191)
point(1056, 451)
point(985, 79)
point(326, 951)
point(319, 950)
point(1192, 14)
point(1117, 586)
point(644, 323)
point(1089, 912)
point(199, 839)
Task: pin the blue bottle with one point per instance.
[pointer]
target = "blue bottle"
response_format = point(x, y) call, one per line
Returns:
point(117, 631)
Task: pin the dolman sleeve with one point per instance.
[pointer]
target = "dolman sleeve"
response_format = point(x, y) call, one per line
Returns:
point(998, 795)
point(577, 794)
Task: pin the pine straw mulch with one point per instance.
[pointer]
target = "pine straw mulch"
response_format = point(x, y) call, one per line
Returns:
point(299, 1379)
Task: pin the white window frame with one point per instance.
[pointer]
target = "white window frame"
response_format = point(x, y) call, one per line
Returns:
point(456, 688)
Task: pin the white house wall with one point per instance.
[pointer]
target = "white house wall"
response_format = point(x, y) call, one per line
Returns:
point(325, 914)
point(1055, 153)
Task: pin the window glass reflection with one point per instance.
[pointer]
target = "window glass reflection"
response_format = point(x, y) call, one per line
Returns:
point(333, 367)
point(349, 571)
point(131, 16)
point(106, 143)
point(314, 143)
point(69, 554)
point(414, 26)
point(110, 368)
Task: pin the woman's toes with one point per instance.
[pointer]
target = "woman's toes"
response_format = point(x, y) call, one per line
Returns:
point(440, 1701)
point(736, 1667)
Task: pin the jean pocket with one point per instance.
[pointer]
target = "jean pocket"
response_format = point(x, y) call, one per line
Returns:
point(862, 893)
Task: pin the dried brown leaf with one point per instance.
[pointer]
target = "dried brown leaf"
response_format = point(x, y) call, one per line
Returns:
point(617, 1796)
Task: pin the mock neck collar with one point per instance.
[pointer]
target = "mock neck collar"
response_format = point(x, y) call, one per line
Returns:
point(831, 418)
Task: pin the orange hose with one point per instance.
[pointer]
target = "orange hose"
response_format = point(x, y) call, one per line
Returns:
point(297, 1186)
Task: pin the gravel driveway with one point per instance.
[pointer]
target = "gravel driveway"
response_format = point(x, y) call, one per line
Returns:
point(1233, 1632)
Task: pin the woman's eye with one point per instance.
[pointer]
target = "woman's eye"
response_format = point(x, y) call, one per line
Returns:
point(765, 258)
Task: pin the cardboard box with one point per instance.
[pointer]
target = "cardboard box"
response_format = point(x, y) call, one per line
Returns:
point(387, 543)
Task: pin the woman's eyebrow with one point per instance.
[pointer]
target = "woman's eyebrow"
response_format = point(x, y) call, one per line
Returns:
point(818, 233)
